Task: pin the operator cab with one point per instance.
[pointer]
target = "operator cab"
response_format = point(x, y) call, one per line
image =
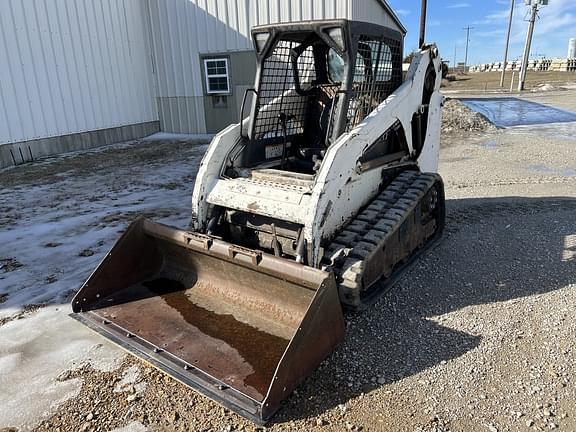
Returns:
point(315, 81)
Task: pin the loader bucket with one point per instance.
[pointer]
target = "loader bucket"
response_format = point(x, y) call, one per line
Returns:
point(240, 326)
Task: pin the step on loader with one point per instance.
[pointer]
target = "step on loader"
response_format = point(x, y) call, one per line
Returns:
point(317, 200)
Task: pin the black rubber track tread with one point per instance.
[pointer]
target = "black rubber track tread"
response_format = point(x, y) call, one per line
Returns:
point(371, 229)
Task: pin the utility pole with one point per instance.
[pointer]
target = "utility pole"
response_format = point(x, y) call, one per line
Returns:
point(467, 42)
point(533, 15)
point(507, 42)
point(455, 64)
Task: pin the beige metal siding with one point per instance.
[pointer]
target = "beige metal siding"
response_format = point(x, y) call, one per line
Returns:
point(372, 11)
point(70, 66)
point(274, 11)
point(178, 29)
point(182, 30)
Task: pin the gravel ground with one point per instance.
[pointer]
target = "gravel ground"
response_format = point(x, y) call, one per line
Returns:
point(478, 336)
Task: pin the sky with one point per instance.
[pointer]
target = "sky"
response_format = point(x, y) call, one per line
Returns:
point(489, 19)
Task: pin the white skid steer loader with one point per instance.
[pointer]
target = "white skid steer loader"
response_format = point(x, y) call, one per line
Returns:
point(319, 198)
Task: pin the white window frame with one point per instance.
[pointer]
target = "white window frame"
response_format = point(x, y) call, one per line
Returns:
point(207, 76)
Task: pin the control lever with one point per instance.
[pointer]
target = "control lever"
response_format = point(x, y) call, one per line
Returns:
point(283, 118)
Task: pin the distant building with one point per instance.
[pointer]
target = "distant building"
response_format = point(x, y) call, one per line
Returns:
point(541, 65)
point(572, 49)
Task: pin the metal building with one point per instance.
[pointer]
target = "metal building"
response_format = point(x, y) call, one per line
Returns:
point(73, 74)
point(81, 73)
point(572, 49)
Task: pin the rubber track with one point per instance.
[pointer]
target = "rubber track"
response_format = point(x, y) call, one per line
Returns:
point(370, 229)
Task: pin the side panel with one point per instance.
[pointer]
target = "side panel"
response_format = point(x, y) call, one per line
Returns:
point(428, 160)
point(340, 191)
point(210, 171)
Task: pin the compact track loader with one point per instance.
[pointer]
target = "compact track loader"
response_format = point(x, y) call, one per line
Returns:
point(319, 198)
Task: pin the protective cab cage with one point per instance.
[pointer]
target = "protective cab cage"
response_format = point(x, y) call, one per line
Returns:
point(315, 81)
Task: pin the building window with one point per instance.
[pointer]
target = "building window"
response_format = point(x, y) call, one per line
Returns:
point(217, 78)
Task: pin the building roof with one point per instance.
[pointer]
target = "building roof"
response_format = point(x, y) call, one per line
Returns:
point(393, 15)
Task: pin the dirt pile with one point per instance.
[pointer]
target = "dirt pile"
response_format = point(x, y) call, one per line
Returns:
point(458, 118)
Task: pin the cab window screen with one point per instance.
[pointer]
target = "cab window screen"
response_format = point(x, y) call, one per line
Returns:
point(377, 73)
point(277, 93)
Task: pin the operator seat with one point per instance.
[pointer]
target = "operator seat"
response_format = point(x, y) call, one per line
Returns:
point(318, 123)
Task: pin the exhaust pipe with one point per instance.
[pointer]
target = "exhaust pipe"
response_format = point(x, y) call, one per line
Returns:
point(423, 24)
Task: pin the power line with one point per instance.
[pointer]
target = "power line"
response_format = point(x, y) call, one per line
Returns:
point(507, 43)
point(533, 15)
point(467, 42)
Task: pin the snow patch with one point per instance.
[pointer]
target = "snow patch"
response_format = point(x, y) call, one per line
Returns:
point(129, 381)
point(132, 427)
point(46, 228)
point(547, 87)
point(34, 351)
